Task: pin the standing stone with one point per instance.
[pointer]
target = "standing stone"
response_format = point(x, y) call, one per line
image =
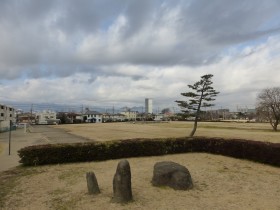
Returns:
point(92, 184)
point(172, 174)
point(122, 183)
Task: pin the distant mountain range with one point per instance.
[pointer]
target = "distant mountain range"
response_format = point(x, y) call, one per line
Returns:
point(38, 107)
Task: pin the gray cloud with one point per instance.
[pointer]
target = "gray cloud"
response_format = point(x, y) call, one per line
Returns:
point(232, 21)
point(120, 49)
point(86, 16)
point(138, 13)
point(157, 33)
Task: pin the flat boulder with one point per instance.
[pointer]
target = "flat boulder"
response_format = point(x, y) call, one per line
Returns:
point(174, 175)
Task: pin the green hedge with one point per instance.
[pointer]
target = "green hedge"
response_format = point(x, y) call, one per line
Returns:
point(262, 152)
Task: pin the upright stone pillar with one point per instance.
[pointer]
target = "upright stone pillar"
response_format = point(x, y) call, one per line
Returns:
point(92, 184)
point(122, 183)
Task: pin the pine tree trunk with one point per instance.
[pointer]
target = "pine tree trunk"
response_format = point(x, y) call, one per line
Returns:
point(194, 127)
point(197, 115)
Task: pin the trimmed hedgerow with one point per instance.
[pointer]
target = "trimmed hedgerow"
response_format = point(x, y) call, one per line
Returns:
point(262, 152)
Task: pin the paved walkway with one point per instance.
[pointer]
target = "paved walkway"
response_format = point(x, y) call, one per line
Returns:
point(37, 135)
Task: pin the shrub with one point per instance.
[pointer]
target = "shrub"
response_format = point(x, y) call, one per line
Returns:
point(262, 152)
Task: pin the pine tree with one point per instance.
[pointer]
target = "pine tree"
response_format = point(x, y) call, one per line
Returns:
point(201, 96)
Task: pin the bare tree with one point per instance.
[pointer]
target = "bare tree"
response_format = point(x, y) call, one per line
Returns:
point(268, 106)
point(202, 95)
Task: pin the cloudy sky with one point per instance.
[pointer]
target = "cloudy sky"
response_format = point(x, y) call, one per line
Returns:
point(119, 52)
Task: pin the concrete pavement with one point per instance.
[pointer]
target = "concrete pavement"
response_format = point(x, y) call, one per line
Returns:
point(38, 134)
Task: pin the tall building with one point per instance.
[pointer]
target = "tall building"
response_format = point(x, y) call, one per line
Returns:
point(148, 106)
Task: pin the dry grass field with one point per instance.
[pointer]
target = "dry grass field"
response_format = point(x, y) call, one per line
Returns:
point(1, 148)
point(219, 182)
point(115, 131)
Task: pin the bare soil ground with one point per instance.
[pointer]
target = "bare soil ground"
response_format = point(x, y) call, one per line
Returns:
point(219, 182)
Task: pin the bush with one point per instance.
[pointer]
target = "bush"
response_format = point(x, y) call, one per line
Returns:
point(262, 152)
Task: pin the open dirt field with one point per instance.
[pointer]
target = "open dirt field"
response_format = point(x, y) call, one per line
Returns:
point(115, 131)
point(219, 182)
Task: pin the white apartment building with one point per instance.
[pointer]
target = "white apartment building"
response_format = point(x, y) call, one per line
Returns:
point(7, 114)
point(46, 117)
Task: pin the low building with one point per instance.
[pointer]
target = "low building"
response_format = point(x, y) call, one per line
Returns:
point(92, 117)
point(7, 115)
point(26, 118)
point(69, 117)
point(129, 115)
point(107, 117)
point(46, 118)
point(159, 117)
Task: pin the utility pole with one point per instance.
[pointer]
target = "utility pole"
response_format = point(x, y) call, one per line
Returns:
point(31, 112)
point(10, 135)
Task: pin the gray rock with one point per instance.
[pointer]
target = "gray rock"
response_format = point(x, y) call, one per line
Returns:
point(122, 183)
point(172, 174)
point(92, 184)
